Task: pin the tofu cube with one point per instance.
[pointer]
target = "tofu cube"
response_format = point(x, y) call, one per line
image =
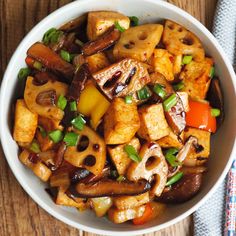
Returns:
point(171, 140)
point(97, 62)
point(100, 21)
point(161, 62)
point(121, 122)
point(127, 202)
point(196, 78)
point(153, 124)
point(198, 157)
point(25, 123)
point(120, 158)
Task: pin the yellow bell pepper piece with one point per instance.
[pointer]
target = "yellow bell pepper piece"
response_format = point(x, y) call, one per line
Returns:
point(92, 103)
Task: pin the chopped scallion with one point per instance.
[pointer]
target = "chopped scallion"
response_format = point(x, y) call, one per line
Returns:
point(143, 93)
point(51, 36)
point(170, 156)
point(37, 65)
point(73, 106)
point(215, 112)
point(78, 122)
point(121, 178)
point(65, 55)
point(23, 73)
point(134, 20)
point(80, 43)
point(119, 27)
point(34, 147)
point(71, 139)
point(42, 131)
point(159, 90)
point(56, 135)
point(114, 173)
point(174, 178)
point(178, 86)
point(170, 102)
point(61, 102)
point(128, 99)
point(132, 153)
point(212, 72)
point(187, 59)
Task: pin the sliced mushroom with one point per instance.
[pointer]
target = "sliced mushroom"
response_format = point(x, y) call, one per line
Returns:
point(51, 60)
point(81, 76)
point(59, 156)
point(176, 116)
point(152, 165)
point(183, 153)
point(183, 190)
point(90, 158)
point(215, 97)
point(46, 98)
point(74, 24)
point(107, 187)
point(122, 78)
point(102, 42)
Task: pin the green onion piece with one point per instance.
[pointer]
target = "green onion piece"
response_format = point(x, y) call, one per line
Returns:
point(56, 135)
point(34, 147)
point(187, 59)
point(80, 43)
point(114, 173)
point(134, 20)
point(174, 178)
point(170, 156)
point(215, 112)
point(73, 106)
point(65, 55)
point(143, 93)
point(178, 86)
point(47, 35)
point(61, 102)
point(170, 102)
point(78, 122)
point(37, 65)
point(128, 99)
point(121, 178)
point(23, 73)
point(132, 153)
point(71, 139)
point(51, 36)
point(42, 131)
point(159, 90)
point(212, 72)
point(119, 27)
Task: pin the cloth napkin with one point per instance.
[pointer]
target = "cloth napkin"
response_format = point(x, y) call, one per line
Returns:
point(210, 219)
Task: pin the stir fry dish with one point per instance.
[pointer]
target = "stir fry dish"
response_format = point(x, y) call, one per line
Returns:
point(116, 116)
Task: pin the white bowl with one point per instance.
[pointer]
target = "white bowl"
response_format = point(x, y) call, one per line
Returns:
point(223, 143)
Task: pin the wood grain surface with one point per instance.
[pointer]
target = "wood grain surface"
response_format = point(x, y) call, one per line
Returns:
point(20, 215)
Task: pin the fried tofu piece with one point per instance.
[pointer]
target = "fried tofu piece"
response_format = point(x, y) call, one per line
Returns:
point(127, 202)
point(196, 78)
point(97, 62)
point(120, 216)
point(180, 41)
point(100, 21)
point(171, 140)
point(25, 123)
point(63, 199)
point(198, 157)
point(120, 158)
point(153, 124)
point(161, 62)
point(138, 42)
point(121, 122)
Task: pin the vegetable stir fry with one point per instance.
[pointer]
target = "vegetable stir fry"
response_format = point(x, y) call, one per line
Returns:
point(116, 116)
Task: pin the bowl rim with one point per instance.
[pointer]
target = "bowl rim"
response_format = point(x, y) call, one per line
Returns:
point(53, 212)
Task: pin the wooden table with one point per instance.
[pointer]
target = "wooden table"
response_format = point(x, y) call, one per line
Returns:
point(20, 216)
